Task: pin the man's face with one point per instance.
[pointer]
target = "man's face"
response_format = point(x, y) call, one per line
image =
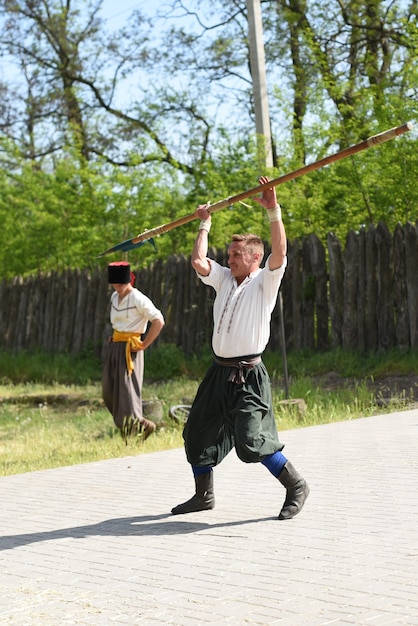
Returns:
point(241, 261)
point(121, 288)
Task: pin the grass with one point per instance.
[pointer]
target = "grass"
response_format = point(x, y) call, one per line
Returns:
point(52, 416)
point(51, 425)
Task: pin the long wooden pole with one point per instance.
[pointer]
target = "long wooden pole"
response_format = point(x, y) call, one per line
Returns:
point(375, 140)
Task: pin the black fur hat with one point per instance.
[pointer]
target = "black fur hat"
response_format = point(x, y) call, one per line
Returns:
point(119, 272)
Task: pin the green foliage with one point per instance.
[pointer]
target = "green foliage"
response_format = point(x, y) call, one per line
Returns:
point(169, 361)
point(49, 369)
point(165, 363)
point(155, 161)
point(350, 364)
point(52, 219)
point(377, 184)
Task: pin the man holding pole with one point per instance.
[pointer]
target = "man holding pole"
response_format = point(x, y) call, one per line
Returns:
point(233, 405)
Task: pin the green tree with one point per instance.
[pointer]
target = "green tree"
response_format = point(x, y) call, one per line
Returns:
point(72, 74)
point(86, 162)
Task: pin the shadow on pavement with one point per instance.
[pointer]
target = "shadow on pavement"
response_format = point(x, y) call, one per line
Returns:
point(123, 527)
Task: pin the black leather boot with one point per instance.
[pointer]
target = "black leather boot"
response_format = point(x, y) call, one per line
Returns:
point(297, 491)
point(204, 498)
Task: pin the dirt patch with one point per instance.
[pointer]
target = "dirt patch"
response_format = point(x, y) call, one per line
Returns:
point(65, 400)
point(386, 389)
point(392, 388)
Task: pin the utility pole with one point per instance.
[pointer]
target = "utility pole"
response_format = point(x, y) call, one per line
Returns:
point(262, 125)
point(258, 74)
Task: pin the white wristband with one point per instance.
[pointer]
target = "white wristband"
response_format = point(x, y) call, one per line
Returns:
point(205, 225)
point(275, 214)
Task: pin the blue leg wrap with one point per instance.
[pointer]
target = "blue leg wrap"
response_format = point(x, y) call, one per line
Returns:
point(198, 471)
point(275, 463)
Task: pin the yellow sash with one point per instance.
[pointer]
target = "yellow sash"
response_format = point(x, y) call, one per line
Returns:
point(133, 343)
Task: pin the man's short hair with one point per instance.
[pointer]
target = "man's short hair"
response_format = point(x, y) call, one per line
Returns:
point(253, 243)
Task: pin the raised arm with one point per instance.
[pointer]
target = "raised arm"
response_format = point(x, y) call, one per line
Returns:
point(200, 261)
point(277, 231)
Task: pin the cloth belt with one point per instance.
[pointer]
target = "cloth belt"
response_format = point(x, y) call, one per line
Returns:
point(239, 365)
point(133, 344)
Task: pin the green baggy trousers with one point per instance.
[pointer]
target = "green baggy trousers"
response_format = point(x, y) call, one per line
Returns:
point(225, 414)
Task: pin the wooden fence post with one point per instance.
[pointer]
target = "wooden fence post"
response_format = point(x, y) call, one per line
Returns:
point(349, 331)
point(400, 289)
point(411, 256)
point(385, 294)
point(371, 291)
point(336, 289)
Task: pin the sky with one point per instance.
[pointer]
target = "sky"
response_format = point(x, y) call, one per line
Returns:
point(118, 12)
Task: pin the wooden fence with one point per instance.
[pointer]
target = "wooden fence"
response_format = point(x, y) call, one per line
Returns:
point(363, 297)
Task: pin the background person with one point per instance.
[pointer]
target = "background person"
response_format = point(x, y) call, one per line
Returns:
point(233, 405)
point(131, 314)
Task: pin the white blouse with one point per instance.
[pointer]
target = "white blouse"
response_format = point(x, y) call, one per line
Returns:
point(242, 313)
point(133, 313)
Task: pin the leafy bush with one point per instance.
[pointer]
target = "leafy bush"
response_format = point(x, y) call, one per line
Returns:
point(39, 367)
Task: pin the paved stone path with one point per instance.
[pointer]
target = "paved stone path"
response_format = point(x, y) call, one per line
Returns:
point(96, 545)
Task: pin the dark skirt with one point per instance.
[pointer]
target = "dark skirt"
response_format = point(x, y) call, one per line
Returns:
point(226, 415)
point(122, 394)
